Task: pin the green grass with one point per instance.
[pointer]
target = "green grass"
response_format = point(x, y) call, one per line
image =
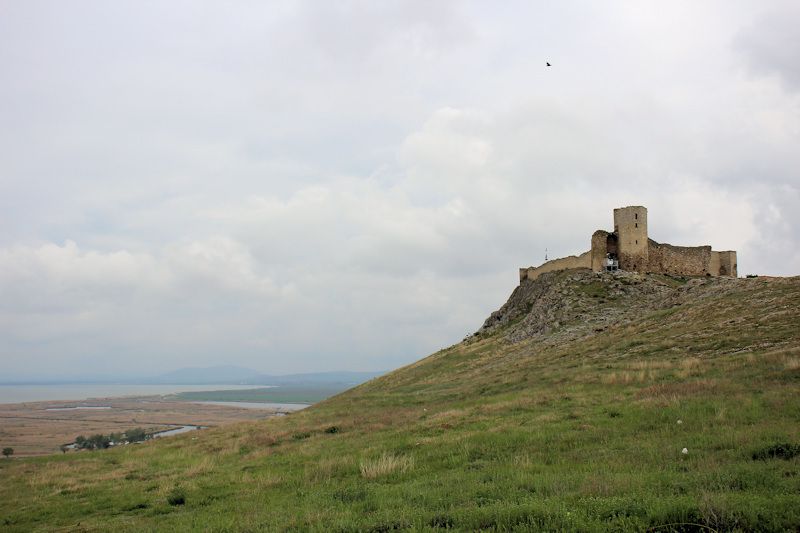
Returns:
point(486, 435)
point(595, 289)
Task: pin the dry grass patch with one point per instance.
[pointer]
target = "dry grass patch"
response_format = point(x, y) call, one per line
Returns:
point(204, 466)
point(788, 358)
point(548, 417)
point(386, 464)
point(260, 480)
point(450, 414)
point(232, 447)
point(261, 439)
point(269, 480)
point(524, 402)
point(650, 365)
point(330, 467)
point(626, 377)
point(671, 392)
point(446, 419)
point(260, 454)
point(522, 461)
point(68, 475)
point(689, 367)
point(792, 363)
point(56, 479)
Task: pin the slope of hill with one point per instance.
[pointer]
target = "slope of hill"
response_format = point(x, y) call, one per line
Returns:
point(587, 402)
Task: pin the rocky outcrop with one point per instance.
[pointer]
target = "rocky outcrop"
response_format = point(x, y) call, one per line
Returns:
point(573, 303)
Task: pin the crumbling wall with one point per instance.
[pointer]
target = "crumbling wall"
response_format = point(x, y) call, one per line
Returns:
point(636, 252)
point(581, 261)
point(599, 250)
point(714, 263)
point(680, 260)
point(727, 263)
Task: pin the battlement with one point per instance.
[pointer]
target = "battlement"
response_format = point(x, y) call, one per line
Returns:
point(629, 248)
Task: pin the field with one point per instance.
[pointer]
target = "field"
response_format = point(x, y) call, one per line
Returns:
point(684, 417)
point(38, 428)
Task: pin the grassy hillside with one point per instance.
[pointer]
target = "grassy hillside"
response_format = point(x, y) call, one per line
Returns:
point(569, 410)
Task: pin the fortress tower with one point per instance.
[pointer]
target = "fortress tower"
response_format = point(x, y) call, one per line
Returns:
point(629, 248)
point(630, 225)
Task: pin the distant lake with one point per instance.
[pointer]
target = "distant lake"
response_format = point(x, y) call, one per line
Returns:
point(73, 392)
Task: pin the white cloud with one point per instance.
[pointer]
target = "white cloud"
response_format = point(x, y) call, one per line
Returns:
point(770, 44)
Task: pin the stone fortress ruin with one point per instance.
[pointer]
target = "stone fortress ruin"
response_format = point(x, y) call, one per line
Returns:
point(629, 248)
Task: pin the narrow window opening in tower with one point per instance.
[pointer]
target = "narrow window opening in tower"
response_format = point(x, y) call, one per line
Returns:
point(637, 241)
point(636, 225)
point(636, 216)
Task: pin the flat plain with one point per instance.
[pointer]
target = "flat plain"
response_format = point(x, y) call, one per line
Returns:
point(40, 428)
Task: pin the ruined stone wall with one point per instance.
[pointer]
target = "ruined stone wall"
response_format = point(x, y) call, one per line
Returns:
point(581, 261)
point(630, 225)
point(681, 260)
point(599, 250)
point(636, 252)
point(714, 263)
point(603, 243)
point(727, 263)
point(690, 260)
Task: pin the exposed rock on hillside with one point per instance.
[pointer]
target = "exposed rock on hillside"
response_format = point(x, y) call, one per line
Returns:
point(573, 303)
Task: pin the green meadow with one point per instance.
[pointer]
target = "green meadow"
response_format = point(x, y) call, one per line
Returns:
point(584, 434)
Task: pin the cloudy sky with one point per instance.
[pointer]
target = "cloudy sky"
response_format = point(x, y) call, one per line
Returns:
point(325, 185)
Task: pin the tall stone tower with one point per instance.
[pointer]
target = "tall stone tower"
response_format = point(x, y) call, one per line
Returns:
point(630, 225)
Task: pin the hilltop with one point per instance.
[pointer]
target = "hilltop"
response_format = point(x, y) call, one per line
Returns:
point(570, 408)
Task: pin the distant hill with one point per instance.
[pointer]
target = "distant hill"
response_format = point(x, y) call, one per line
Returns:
point(587, 402)
point(343, 377)
point(215, 375)
point(236, 375)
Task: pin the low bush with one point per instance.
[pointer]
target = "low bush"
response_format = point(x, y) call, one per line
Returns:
point(176, 496)
point(777, 451)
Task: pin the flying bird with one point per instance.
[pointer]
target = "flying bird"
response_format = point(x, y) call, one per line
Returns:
point(548, 64)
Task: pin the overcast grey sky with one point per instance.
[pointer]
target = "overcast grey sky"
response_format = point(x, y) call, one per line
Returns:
point(308, 186)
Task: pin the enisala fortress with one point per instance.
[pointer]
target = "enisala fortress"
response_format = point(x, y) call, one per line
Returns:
point(629, 248)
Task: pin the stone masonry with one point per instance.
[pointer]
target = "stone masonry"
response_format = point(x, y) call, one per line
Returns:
point(629, 248)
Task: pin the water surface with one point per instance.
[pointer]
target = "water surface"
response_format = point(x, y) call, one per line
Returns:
point(77, 392)
point(176, 431)
point(79, 408)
